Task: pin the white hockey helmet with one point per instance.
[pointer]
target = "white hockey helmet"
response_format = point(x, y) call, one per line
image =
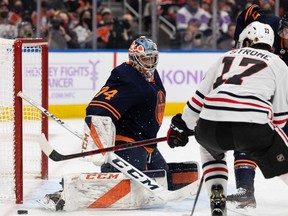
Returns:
point(256, 33)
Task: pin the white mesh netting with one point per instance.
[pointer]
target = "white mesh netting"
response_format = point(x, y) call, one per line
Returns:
point(32, 87)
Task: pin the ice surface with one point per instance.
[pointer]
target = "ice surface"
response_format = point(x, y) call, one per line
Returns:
point(271, 195)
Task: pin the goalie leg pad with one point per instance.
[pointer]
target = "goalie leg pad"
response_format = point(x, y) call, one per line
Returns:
point(183, 174)
point(109, 190)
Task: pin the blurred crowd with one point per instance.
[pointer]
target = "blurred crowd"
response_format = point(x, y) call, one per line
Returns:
point(68, 24)
point(193, 20)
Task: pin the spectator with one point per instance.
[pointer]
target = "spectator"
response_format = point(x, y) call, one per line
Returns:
point(45, 14)
point(232, 9)
point(283, 7)
point(206, 5)
point(267, 8)
point(226, 41)
point(7, 30)
point(87, 4)
point(61, 36)
point(169, 9)
point(29, 6)
point(271, 3)
point(104, 27)
point(84, 28)
point(71, 5)
point(74, 19)
point(191, 12)
point(192, 37)
point(223, 17)
point(147, 20)
point(17, 12)
point(243, 4)
point(25, 30)
point(21, 18)
point(171, 12)
point(5, 2)
point(106, 17)
point(74, 9)
point(121, 34)
point(192, 19)
point(225, 9)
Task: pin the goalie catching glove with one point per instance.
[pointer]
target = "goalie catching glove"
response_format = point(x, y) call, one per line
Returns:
point(178, 132)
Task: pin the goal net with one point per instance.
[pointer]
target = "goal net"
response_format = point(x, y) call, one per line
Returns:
point(23, 67)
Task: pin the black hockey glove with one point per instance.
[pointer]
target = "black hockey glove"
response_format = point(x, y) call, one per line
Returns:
point(178, 132)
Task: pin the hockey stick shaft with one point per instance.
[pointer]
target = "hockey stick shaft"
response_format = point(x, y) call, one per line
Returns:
point(47, 113)
point(197, 195)
point(56, 156)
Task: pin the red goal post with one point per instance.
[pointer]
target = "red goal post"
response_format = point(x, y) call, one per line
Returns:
point(23, 67)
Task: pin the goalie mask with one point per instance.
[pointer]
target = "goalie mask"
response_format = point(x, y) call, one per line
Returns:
point(256, 33)
point(143, 55)
point(283, 27)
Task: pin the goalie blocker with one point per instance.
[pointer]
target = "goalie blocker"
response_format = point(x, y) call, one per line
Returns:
point(116, 191)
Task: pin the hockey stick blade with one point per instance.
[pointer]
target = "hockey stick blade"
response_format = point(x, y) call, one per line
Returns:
point(56, 156)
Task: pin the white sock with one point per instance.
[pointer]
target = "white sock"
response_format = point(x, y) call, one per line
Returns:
point(284, 178)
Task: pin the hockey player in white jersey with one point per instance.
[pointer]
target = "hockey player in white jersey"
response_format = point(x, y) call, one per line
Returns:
point(241, 104)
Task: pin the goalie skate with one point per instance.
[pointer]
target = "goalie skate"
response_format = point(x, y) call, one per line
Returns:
point(53, 202)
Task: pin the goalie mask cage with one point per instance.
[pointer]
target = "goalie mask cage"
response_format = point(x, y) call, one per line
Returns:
point(23, 67)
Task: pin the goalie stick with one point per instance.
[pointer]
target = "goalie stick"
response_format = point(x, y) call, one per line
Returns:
point(56, 156)
point(59, 157)
point(138, 176)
